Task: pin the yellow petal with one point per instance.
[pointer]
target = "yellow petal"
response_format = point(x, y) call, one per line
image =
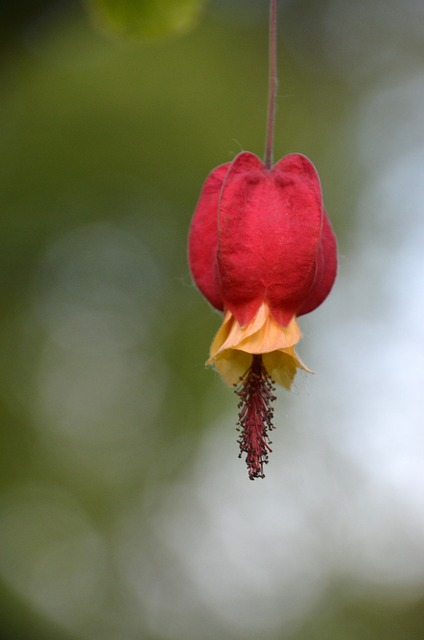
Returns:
point(271, 336)
point(262, 335)
point(233, 346)
point(283, 365)
point(232, 365)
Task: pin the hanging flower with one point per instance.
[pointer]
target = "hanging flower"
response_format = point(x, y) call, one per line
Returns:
point(261, 249)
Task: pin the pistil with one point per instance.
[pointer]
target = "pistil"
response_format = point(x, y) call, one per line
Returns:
point(256, 393)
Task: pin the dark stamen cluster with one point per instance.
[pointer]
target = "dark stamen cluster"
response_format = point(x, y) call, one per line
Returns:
point(256, 393)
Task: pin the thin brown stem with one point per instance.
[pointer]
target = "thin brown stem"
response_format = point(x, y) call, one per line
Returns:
point(272, 84)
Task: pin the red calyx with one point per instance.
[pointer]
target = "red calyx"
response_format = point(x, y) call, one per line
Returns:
point(262, 234)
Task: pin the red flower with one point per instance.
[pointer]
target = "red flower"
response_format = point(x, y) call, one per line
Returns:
point(262, 250)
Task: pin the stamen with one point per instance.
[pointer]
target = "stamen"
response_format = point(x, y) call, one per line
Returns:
point(256, 393)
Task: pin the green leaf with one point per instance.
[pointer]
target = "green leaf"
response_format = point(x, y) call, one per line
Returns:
point(145, 19)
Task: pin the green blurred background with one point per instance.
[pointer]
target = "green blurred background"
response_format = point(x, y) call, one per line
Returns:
point(124, 511)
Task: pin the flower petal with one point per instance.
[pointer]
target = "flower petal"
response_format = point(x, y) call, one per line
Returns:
point(232, 349)
point(261, 335)
point(282, 366)
point(232, 365)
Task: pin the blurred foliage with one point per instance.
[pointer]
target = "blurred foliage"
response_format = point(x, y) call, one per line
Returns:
point(105, 407)
point(145, 19)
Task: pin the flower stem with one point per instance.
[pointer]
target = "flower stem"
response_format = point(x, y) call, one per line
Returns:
point(272, 84)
